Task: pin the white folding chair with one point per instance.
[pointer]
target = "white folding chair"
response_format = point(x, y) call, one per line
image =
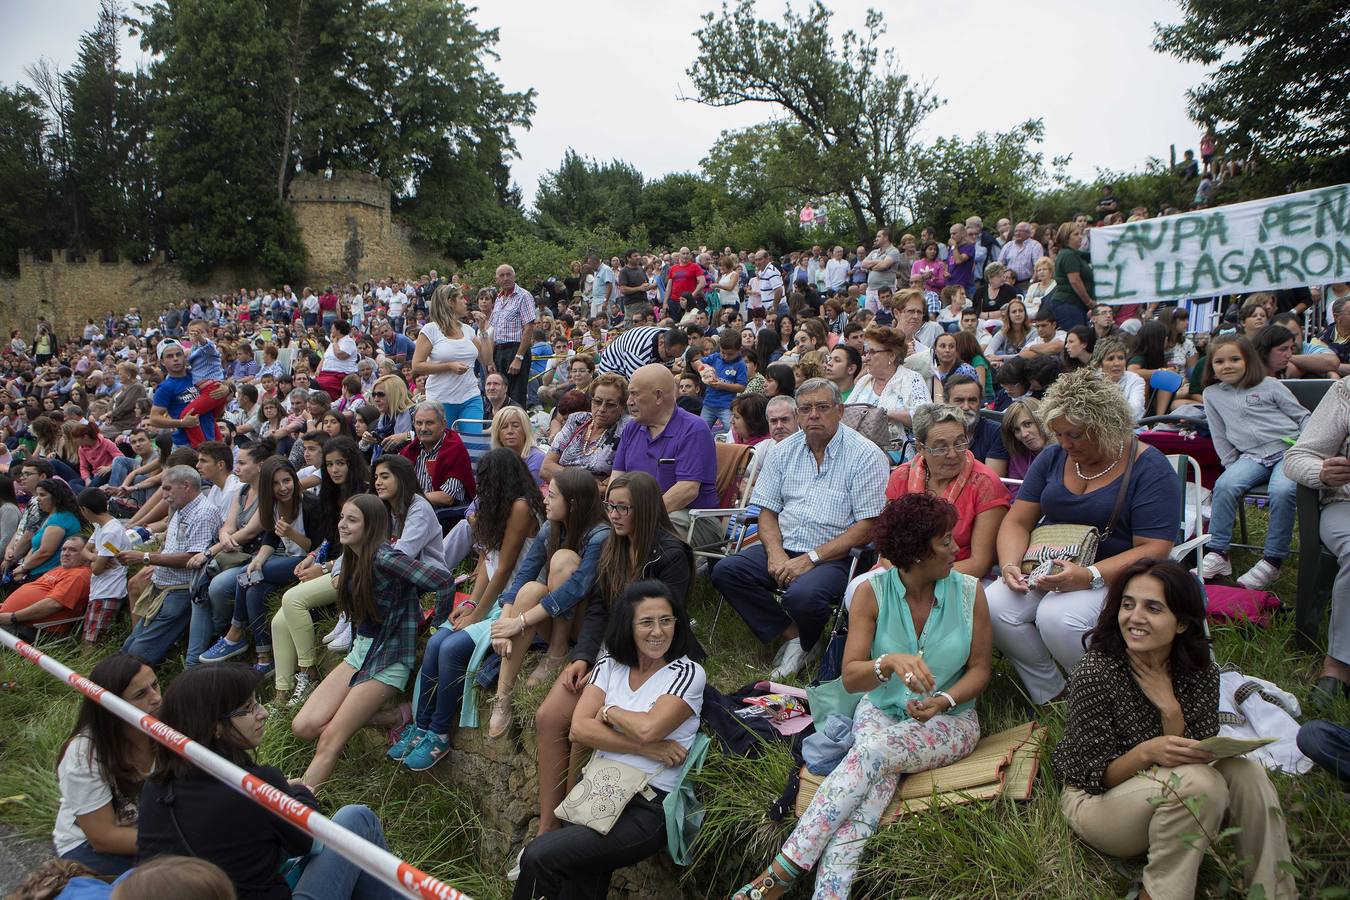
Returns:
point(1191, 532)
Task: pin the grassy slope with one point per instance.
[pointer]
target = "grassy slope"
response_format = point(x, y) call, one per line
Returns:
point(1000, 849)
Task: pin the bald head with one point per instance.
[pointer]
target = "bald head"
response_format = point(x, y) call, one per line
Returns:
point(651, 394)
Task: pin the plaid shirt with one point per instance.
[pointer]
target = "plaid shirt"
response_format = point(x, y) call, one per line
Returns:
point(399, 584)
point(191, 530)
point(511, 314)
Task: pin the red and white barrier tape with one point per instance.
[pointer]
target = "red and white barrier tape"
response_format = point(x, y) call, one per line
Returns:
point(377, 861)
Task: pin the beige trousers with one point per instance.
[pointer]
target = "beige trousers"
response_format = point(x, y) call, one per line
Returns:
point(293, 628)
point(1122, 822)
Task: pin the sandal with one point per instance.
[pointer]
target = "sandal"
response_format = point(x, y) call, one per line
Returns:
point(501, 716)
point(770, 880)
point(545, 670)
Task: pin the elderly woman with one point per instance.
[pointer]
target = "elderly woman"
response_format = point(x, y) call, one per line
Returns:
point(1140, 701)
point(1042, 285)
point(919, 649)
point(1321, 459)
point(588, 439)
point(393, 428)
point(511, 428)
point(888, 384)
point(1097, 476)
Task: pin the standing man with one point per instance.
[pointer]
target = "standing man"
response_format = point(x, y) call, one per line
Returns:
point(768, 284)
point(686, 277)
point(174, 393)
point(881, 266)
point(602, 285)
point(512, 313)
point(836, 272)
point(633, 286)
point(1020, 255)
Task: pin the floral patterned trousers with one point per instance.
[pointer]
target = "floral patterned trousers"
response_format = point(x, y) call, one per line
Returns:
point(848, 805)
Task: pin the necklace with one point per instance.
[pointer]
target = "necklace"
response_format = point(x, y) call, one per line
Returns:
point(588, 444)
point(1079, 469)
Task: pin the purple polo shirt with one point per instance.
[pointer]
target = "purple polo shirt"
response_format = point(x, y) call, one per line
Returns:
point(685, 439)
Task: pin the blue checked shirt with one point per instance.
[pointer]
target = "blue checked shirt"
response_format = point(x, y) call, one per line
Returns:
point(511, 314)
point(816, 505)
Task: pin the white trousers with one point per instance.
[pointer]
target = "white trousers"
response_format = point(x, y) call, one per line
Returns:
point(1040, 629)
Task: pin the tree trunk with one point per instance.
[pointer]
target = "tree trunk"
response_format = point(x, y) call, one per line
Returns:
point(291, 97)
point(859, 217)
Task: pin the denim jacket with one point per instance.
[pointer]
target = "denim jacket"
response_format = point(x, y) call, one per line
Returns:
point(576, 588)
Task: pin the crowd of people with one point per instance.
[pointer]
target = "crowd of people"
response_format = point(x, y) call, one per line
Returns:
point(901, 419)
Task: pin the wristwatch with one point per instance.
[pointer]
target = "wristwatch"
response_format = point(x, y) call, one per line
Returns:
point(1097, 580)
point(145, 558)
point(814, 557)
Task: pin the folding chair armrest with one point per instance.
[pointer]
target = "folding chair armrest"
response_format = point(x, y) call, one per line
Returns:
point(711, 513)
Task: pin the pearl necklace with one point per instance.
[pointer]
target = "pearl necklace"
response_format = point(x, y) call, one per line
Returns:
point(1079, 469)
point(589, 445)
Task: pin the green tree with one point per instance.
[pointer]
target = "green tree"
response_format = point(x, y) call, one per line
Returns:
point(1283, 74)
point(582, 193)
point(847, 111)
point(27, 194)
point(217, 133)
point(673, 205)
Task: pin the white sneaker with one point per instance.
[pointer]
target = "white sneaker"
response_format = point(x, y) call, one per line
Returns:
point(793, 656)
point(1214, 565)
point(342, 628)
point(778, 655)
point(1259, 576)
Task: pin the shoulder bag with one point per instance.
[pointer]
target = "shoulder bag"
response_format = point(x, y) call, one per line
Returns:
point(606, 788)
point(1076, 543)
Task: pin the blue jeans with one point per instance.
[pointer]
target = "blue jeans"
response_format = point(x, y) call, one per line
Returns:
point(1069, 315)
point(469, 409)
point(121, 468)
point(102, 863)
point(1235, 481)
point(328, 876)
point(1328, 745)
point(719, 420)
point(250, 604)
point(152, 640)
point(210, 619)
point(442, 679)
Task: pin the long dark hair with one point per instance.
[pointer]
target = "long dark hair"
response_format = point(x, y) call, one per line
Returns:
point(625, 556)
point(619, 641)
point(109, 748)
point(356, 588)
point(266, 502)
point(331, 494)
point(767, 342)
point(63, 498)
point(7, 489)
point(1151, 344)
point(408, 485)
point(199, 700)
point(503, 478)
point(1190, 648)
point(584, 510)
point(782, 374)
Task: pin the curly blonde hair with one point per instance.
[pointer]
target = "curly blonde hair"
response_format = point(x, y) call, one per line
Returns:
point(1088, 399)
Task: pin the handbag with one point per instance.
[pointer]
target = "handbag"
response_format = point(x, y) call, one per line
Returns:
point(869, 421)
point(1076, 543)
point(606, 788)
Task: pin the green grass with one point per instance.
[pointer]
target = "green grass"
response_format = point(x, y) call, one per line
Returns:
point(1000, 849)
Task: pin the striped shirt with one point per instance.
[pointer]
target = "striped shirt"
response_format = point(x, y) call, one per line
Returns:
point(769, 280)
point(631, 350)
point(511, 314)
point(452, 486)
point(816, 504)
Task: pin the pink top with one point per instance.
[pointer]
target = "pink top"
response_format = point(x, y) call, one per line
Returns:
point(923, 266)
point(96, 457)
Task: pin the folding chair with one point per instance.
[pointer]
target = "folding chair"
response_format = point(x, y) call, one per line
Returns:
point(477, 444)
point(1192, 530)
point(737, 468)
point(58, 630)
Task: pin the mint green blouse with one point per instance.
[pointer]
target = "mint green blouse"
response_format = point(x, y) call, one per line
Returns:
point(945, 641)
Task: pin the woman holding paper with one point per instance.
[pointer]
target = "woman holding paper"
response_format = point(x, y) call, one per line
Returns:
point(1142, 702)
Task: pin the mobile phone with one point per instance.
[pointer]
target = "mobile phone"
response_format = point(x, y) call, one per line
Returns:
point(669, 461)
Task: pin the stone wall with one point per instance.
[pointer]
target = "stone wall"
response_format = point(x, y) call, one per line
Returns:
point(345, 224)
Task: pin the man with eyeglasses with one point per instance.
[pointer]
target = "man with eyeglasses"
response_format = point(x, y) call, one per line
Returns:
point(819, 492)
point(984, 436)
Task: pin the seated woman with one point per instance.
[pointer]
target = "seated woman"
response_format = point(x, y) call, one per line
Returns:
point(919, 649)
point(344, 473)
point(61, 520)
point(100, 769)
point(393, 428)
point(588, 439)
point(1111, 357)
point(1321, 460)
point(292, 522)
point(749, 421)
point(641, 544)
point(1012, 338)
point(1023, 437)
point(888, 384)
point(511, 428)
point(185, 811)
point(641, 706)
point(509, 514)
point(1081, 480)
point(380, 591)
point(1275, 348)
point(1143, 696)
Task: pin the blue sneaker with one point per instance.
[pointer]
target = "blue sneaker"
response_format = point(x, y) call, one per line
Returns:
point(406, 741)
point(266, 668)
point(222, 650)
point(428, 752)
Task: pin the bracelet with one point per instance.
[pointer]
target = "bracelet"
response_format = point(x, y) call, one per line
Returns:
point(876, 668)
point(604, 713)
point(523, 623)
point(470, 604)
point(950, 700)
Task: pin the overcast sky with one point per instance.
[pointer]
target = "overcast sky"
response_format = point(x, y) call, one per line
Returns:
point(610, 74)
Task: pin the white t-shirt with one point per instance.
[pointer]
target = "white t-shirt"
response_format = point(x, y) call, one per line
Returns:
point(1035, 339)
point(83, 791)
point(396, 303)
point(111, 584)
point(222, 497)
point(682, 678)
point(347, 366)
point(446, 387)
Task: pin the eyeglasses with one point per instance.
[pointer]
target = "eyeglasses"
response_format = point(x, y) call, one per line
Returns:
point(807, 408)
point(873, 351)
point(605, 404)
point(947, 449)
point(251, 708)
point(377, 393)
point(650, 624)
point(621, 509)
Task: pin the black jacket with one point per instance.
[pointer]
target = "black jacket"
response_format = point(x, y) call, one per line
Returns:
point(672, 562)
point(316, 526)
point(216, 823)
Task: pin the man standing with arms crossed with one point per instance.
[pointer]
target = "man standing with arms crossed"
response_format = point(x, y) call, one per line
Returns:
point(511, 314)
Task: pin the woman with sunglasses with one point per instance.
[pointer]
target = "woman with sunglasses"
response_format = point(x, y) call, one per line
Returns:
point(588, 439)
point(186, 812)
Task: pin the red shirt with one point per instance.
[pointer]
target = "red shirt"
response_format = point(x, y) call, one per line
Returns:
point(684, 279)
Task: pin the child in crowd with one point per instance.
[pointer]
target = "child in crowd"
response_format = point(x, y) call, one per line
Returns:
point(108, 584)
point(724, 374)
